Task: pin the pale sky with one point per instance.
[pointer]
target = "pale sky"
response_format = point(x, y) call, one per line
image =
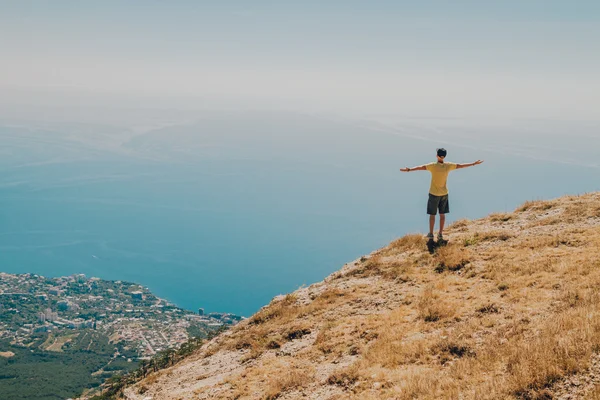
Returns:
point(525, 58)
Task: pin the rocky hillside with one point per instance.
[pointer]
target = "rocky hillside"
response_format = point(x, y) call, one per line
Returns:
point(510, 309)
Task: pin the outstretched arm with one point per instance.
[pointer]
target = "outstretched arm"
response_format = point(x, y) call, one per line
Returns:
point(419, 168)
point(468, 165)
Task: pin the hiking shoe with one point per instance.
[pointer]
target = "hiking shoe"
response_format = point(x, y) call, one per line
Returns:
point(440, 237)
point(441, 241)
point(429, 236)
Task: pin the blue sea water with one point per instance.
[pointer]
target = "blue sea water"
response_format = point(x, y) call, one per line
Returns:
point(229, 212)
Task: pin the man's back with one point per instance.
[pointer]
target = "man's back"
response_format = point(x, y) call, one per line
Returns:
point(439, 176)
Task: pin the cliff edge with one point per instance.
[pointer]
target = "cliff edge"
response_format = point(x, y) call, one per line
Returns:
point(509, 309)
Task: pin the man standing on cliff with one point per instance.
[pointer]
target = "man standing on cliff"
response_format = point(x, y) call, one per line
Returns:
point(438, 192)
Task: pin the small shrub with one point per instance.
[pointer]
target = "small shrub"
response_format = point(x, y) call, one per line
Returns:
point(432, 308)
point(330, 295)
point(368, 267)
point(452, 258)
point(395, 269)
point(471, 241)
point(243, 344)
point(297, 333)
point(290, 378)
point(253, 354)
point(273, 344)
point(408, 242)
point(496, 235)
point(572, 298)
point(537, 205)
point(488, 309)
point(345, 377)
point(461, 223)
point(448, 349)
point(273, 310)
point(500, 217)
point(439, 268)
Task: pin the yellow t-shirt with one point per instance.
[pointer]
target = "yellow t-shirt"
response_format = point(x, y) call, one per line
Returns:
point(439, 175)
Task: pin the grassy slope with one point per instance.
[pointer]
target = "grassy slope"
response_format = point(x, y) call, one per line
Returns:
point(507, 310)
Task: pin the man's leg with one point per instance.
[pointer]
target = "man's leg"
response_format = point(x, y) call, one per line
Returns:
point(432, 207)
point(431, 224)
point(444, 209)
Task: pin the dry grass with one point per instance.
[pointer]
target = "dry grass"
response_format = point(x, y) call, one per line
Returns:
point(579, 208)
point(501, 235)
point(433, 307)
point(488, 236)
point(389, 347)
point(450, 349)
point(508, 309)
point(532, 360)
point(389, 266)
point(282, 321)
point(279, 309)
point(272, 380)
point(405, 243)
point(452, 258)
point(287, 378)
point(345, 377)
point(333, 340)
point(594, 394)
point(501, 217)
point(536, 205)
point(459, 224)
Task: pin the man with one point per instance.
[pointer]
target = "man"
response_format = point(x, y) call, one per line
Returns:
point(438, 192)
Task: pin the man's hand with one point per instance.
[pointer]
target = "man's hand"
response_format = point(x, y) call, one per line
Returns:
point(477, 162)
point(405, 169)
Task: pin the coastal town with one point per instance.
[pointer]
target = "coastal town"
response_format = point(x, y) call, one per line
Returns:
point(53, 314)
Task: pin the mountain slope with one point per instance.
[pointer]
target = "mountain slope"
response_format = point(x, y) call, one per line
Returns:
point(509, 309)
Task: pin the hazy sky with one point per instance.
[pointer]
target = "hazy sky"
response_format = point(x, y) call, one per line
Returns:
point(522, 58)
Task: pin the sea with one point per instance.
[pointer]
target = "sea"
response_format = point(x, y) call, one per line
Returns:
point(227, 210)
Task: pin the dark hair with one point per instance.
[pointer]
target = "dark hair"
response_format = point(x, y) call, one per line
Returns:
point(441, 152)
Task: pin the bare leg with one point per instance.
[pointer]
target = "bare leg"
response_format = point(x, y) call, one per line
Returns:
point(442, 222)
point(431, 223)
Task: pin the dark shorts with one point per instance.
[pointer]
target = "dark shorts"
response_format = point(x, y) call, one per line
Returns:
point(436, 203)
